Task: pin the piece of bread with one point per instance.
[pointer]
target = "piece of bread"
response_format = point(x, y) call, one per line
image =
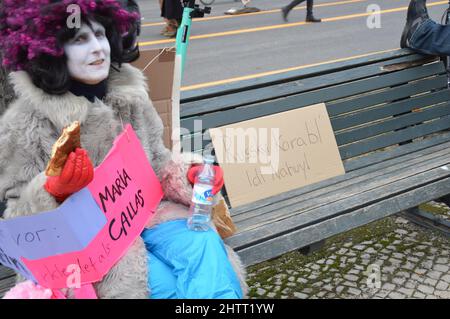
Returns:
point(68, 142)
point(222, 220)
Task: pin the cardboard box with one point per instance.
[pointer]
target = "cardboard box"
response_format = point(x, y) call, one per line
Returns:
point(278, 153)
point(162, 71)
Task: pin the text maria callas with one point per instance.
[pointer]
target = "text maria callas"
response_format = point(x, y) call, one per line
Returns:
point(116, 227)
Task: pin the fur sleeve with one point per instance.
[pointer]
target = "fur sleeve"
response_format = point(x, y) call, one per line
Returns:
point(21, 180)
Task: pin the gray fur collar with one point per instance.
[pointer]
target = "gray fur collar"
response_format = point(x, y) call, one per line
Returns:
point(63, 109)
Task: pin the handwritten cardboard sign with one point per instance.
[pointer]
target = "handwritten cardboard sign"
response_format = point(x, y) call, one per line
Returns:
point(274, 154)
point(94, 228)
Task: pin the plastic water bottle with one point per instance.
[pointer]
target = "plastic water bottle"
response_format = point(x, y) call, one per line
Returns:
point(202, 197)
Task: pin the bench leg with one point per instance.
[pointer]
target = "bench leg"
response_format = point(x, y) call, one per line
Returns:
point(428, 220)
point(308, 250)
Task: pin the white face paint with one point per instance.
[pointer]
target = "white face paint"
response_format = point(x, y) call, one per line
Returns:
point(89, 54)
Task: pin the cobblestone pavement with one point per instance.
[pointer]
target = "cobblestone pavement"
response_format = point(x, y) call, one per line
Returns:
point(391, 258)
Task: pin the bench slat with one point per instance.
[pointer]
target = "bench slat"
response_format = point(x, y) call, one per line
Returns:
point(286, 89)
point(199, 94)
point(388, 139)
point(346, 182)
point(367, 116)
point(352, 187)
point(386, 110)
point(393, 123)
point(388, 94)
point(355, 167)
point(362, 216)
point(385, 190)
point(235, 115)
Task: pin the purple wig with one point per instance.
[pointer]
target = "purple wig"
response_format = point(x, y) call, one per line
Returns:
point(29, 28)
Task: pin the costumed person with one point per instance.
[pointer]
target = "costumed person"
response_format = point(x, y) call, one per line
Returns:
point(63, 74)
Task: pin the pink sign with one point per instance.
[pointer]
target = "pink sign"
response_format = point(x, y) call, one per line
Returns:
point(128, 192)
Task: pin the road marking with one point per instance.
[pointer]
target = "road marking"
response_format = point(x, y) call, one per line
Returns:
point(285, 25)
point(258, 75)
point(330, 4)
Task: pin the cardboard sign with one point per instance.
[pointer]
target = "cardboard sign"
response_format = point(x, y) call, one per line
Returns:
point(274, 154)
point(163, 75)
point(94, 228)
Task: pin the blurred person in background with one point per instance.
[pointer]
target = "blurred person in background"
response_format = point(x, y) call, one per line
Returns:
point(309, 10)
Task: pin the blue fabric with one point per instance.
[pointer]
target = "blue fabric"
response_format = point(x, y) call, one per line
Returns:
point(162, 282)
point(431, 38)
point(189, 265)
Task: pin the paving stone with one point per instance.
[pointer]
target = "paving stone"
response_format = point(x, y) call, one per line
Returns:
point(401, 231)
point(339, 289)
point(430, 282)
point(292, 278)
point(300, 295)
point(419, 295)
point(413, 259)
point(398, 281)
point(302, 280)
point(425, 289)
point(442, 268)
point(359, 247)
point(350, 284)
point(445, 294)
point(388, 286)
point(442, 285)
point(420, 271)
point(406, 291)
point(410, 284)
point(442, 260)
point(446, 278)
point(370, 250)
point(342, 251)
point(398, 255)
point(351, 277)
point(396, 295)
point(434, 274)
point(260, 291)
point(354, 291)
point(271, 295)
point(315, 267)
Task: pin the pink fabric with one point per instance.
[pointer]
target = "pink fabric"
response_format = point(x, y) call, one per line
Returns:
point(28, 290)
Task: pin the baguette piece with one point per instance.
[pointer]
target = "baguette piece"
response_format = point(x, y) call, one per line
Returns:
point(68, 142)
point(222, 220)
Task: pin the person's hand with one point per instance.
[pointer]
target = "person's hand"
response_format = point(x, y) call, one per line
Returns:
point(194, 171)
point(77, 173)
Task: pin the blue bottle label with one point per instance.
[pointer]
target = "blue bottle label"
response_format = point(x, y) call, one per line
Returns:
point(202, 194)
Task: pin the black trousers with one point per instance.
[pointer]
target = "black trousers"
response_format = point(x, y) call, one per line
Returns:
point(309, 5)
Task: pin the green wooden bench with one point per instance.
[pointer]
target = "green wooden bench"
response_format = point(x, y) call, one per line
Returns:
point(390, 114)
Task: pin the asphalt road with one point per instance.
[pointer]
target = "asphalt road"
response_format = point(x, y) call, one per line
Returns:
point(225, 48)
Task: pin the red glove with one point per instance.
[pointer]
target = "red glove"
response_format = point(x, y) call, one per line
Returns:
point(194, 171)
point(77, 173)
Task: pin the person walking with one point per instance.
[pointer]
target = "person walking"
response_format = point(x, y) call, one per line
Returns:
point(309, 10)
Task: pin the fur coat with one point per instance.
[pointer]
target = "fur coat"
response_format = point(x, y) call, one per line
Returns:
point(34, 121)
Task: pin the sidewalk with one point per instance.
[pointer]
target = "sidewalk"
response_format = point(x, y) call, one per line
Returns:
point(391, 258)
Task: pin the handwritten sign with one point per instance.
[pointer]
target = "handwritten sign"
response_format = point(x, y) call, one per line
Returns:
point(94, 228)
point(274, 154)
